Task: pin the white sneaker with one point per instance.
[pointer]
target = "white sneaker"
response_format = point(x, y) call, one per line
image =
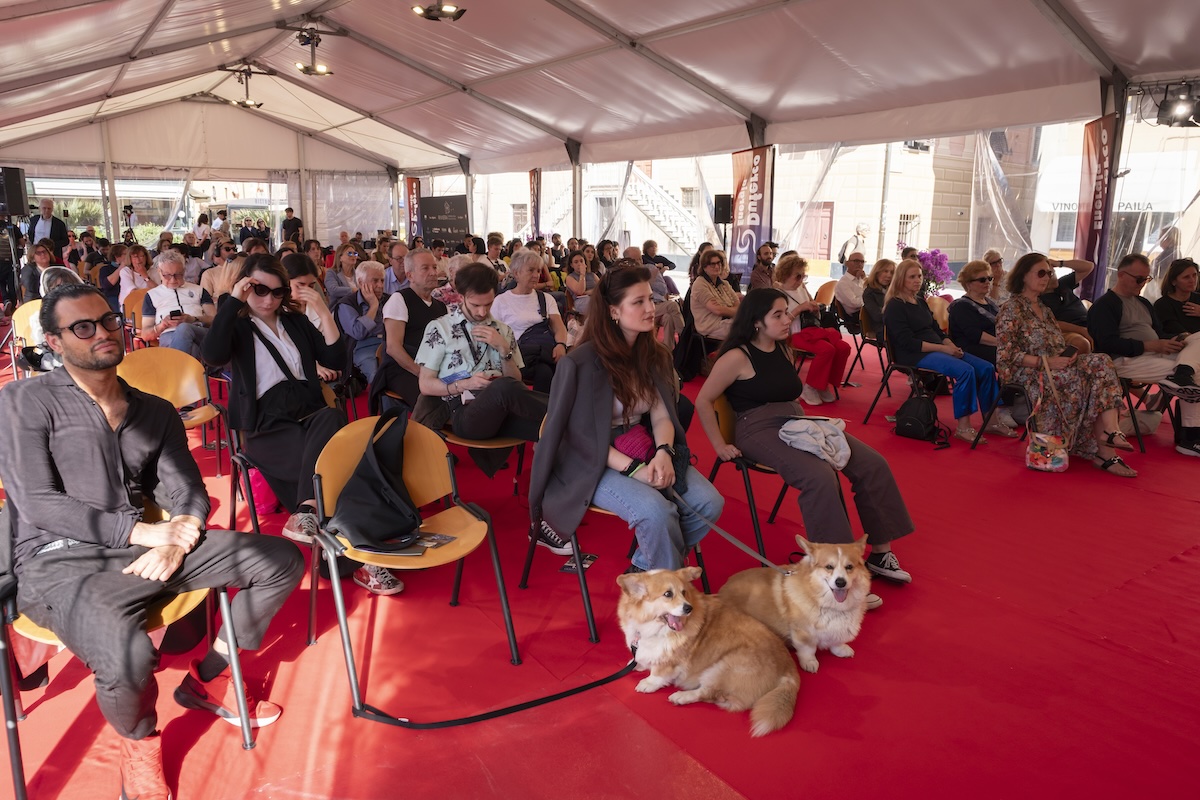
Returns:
point(378, 580)
point(809, 395)
point(827, 395)
point(301, 527)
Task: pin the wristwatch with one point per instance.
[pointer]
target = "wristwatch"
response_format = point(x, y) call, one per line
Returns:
point(668, 447)
point(508, 356)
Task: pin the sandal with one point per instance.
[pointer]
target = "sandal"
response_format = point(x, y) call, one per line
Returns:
point(1116, 440)
point(1001, 429)
point(1116, 466)
point(968, 435)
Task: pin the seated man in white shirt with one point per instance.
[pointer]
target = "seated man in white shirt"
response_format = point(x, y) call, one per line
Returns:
point(849, 290)
point(535, 321)
point(181, 311)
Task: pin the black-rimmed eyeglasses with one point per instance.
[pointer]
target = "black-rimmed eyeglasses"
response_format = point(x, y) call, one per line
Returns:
point(278, 292)
point(86, 328)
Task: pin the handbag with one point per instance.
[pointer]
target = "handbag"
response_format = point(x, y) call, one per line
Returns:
point(374, 510)
point(1046, 452)
point(537, 343)
point(638, 443)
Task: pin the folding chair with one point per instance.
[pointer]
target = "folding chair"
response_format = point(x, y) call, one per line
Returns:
point(824, 294)
point(725, 421)
point(429, 477)
point(868, 337)
point(179, 379)
point(495, 443)
point(914, 374)
point(1008, 392)
point(133, 319)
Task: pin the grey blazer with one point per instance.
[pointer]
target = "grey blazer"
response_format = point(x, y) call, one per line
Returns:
point(573, 450)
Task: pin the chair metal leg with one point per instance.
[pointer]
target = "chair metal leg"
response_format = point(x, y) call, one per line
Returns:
point(235, 667)
point(458, 570)
point(524, 584)
point(313, 576)
point(508, 621)
point(703, 570)
point(633, 546)
point(882, 368)
point(758, 537)
point(520, 466)
point(987, 418)
point(593, 637)
point(8, 696)
point(887, 373)
point(1137, 429)
point(234, 469)
point(339, 604)
point(778, 503)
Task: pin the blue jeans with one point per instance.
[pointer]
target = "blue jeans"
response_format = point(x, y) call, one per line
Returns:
point(185, 337)
point(974, 380)
point(364, 359)
point(665, 531)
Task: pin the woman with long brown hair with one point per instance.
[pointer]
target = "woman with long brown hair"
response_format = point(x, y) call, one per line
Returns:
point(619, 380)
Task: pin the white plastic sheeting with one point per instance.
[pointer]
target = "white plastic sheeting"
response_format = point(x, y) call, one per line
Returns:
point(350, 202)
point(512, 83)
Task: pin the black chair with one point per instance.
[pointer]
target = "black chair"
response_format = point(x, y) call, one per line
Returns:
point(868, 336)
point(8, 596)
point(1129, 388)
point(1007, 394)
point(915, 375)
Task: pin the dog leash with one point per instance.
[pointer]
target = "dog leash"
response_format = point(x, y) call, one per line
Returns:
point(733, 540)
point(372, 713)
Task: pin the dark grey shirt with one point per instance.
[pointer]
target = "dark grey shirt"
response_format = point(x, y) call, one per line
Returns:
point(67, 474)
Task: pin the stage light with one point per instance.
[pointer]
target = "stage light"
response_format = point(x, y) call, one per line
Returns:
point(310, 38)
point(437, 12)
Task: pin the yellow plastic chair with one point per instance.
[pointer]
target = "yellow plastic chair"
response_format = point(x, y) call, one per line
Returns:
point(429, 477)
point(22, 323)
point(179, 379)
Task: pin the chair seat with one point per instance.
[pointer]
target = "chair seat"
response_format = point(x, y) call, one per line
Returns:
point(157, 616)
point(199, 416)
point(497, 443)
point(468, 530)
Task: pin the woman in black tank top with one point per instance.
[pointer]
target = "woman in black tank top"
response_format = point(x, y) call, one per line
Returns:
point(756, 373)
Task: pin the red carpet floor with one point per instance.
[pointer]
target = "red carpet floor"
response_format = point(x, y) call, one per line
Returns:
point(1047, 647)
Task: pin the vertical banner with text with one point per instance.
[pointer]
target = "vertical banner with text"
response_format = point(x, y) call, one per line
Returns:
point(412, 204)
point(753, 182)
point(535, 203)
point(1093, 215)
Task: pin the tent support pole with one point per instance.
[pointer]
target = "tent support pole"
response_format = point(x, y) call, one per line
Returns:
point(573, 152)
point(110, 192)
point(303, 163)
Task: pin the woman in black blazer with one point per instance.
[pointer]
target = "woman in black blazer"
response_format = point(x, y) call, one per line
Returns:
point(275, 397)
point(617, 379)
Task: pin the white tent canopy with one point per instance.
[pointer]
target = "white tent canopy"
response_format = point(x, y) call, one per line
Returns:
point(517, 84)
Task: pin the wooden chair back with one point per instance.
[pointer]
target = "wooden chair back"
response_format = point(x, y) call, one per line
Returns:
point(133, 308)
point(941, 311)
point(22, 319)
point(725, 418)
point(825, 293)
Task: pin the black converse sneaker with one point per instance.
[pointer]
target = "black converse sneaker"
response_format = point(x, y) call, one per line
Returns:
point(552, 541)
point(886, 565)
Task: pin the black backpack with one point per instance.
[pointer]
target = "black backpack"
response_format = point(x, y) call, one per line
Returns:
point(917, 418)
point(374, 510)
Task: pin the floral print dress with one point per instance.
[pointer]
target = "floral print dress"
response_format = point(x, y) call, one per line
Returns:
point(1086, 388)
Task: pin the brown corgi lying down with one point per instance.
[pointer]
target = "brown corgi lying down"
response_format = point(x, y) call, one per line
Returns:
point(711, 651)
point(820, 605)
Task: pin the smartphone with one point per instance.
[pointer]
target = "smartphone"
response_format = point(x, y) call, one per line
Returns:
point(1182, 337)
point(176, 313)
point(1070, 351)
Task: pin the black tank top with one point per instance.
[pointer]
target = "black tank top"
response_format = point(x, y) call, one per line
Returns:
point(774, 381)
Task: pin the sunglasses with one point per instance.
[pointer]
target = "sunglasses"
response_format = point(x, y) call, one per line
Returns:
point(1041, 273)
point(278, 293)
point(86, 328)
point(984, 279)
point(228, 249)
point(1138, 279)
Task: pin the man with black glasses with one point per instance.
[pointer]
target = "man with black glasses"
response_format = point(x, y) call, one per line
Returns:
point(88, 567)
point(1124, 325)
point(218, 279)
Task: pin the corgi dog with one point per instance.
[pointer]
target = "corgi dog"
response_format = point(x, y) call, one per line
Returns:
point(709, 650)
point(818, 605)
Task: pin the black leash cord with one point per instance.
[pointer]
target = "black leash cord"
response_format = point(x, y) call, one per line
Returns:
point(370, 712)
